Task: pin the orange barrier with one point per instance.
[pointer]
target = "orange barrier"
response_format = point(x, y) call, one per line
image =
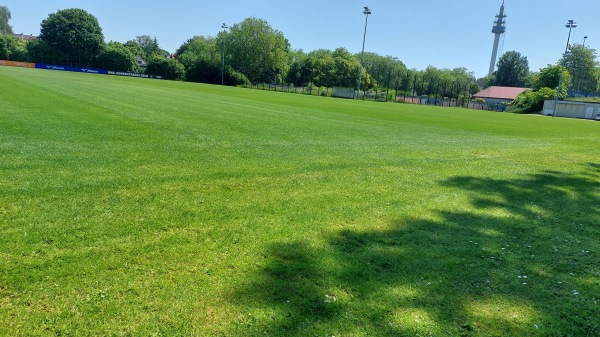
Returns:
point(17, 64)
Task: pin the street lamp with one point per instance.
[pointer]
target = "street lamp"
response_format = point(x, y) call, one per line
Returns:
point(224, 26)
point(366, 12)
point(570, 24)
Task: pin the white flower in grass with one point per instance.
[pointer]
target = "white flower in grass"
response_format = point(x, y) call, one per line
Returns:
point(330, 299)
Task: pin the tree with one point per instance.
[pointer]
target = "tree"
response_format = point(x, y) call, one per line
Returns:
point(5, 28)
point(513, 69)
point(40, 51)
point(531, 101)
point(12, 49)
point(596, 75)
point(74, 33)
point(4, 47)
point(115, 56)
point(201, 57)
point(488, 80)
point(257, 50)
point(296, 60)
point(170, 69)
point(323, 68)
point(320, 65)
point(135, 48)
point(149, 45)
point(581, 63)
point(549, 77)
point(457, 83)
point(382, 69)
point(346, 68)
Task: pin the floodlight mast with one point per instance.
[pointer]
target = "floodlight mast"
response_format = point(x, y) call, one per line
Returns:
point(225, 27)
point(570, 24)
point(366, 12)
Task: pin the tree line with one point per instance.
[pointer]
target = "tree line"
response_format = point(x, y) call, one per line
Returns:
point(580, 63)
point(253, 52)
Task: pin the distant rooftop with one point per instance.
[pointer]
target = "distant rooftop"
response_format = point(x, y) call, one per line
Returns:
point(25, 37)
point(507, 93)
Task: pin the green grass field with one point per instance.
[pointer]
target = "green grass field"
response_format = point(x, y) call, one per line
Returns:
point(133, 207)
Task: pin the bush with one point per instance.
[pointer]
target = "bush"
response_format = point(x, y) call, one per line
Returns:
point(237, 78)
point(171, 69)
point(531, 101)
point(12, 48)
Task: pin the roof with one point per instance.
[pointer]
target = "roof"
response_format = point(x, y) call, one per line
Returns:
point(25, 37)
point(508, 93)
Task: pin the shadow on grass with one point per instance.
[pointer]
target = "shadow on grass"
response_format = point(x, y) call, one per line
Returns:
point(523, 261)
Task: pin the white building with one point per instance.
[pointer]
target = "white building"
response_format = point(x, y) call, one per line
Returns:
point(571, 109)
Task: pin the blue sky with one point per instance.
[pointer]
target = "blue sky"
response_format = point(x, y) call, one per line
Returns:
point(445, 34)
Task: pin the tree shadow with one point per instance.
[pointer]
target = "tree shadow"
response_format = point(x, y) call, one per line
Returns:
point(522, 261)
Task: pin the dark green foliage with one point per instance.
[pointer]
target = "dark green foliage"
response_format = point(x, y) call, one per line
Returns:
point(582, 64)
point(40, 51)
point(5, 44)
point(340, 68)
point(5, 27)
point(12, 48)
point(4, 47)
point(202, 70)
point(513, 70)
point(549, 77)
point(257, 50)
point(135, 48)
point(488, 80)
point(168, 68)
point(531, 101)
point(74, 33)
point(383, 70)
point(149, 45)
point(115, 56)
point(233, 77)
point(201, 57)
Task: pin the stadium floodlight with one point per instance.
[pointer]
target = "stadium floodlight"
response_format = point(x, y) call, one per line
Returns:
point(225, 27)
point(570, 24)
point(366, 12)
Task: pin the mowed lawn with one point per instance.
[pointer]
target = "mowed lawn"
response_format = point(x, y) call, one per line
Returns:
point(154, 208)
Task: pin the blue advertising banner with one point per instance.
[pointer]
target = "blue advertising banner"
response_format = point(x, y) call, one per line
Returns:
point(93, 71)
point(53, 67)
point(74, 69)
point(121, 73)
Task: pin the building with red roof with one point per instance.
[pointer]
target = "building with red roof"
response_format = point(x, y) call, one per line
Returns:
point(497, 98)
point(494, 95)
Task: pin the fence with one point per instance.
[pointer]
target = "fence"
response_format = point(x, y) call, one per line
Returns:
point(447, 102)
point(338, 92)
point(290, 88)
point(380, 96)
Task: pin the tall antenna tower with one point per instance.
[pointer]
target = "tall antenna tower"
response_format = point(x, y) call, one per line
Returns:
point(498, 30)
